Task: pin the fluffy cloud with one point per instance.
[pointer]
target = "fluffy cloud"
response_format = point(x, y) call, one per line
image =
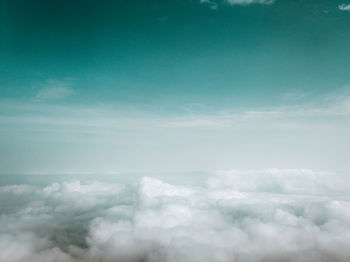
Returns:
point(344, 7)
point(267, 215)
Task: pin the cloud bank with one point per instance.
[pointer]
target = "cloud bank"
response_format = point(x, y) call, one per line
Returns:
point(267, 215)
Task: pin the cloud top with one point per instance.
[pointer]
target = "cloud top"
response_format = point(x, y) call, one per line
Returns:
point(246, 216)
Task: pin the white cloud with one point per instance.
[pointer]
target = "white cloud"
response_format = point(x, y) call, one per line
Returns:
point(55, 89)
point(16, 189)
point(248, 2)
point(109, 117)
point(198, 122)
point(245, 216)
point(214, 4)
point(344, 7)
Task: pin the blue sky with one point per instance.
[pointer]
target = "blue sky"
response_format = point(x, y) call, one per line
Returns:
point(113, 86)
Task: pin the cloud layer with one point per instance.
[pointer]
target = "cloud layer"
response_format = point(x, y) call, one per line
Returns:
point(268, 215)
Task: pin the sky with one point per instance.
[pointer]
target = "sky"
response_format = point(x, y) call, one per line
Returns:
point(182, 130)
point(184, 85)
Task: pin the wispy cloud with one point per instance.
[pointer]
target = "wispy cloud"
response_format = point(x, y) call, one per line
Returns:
point(248, 2)
point(201, 122)
point(55, 89)
point(344, 7)
point(295, 96)
point(195, 116)
point(214, 4)
point(122, 138)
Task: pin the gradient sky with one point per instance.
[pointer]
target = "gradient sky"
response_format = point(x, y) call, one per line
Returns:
point(112, 86)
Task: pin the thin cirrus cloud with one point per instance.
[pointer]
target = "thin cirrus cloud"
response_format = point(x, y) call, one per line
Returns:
point(200, 138)
point(333, 105)
point(344, 7)
point(215, 4)
point(248, 2)
point(54, 89)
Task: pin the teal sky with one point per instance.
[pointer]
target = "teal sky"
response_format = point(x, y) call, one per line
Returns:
point(109, 86)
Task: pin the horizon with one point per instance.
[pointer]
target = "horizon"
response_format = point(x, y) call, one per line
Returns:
point(174, 130)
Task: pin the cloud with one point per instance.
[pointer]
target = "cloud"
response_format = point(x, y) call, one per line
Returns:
point(201, 122)
point(215, 4)
point(248, 2)
point(105, 117)
point(243, 216)
point(55, 89)
point(212, 4)
point(308, 133)
point(344, 7)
